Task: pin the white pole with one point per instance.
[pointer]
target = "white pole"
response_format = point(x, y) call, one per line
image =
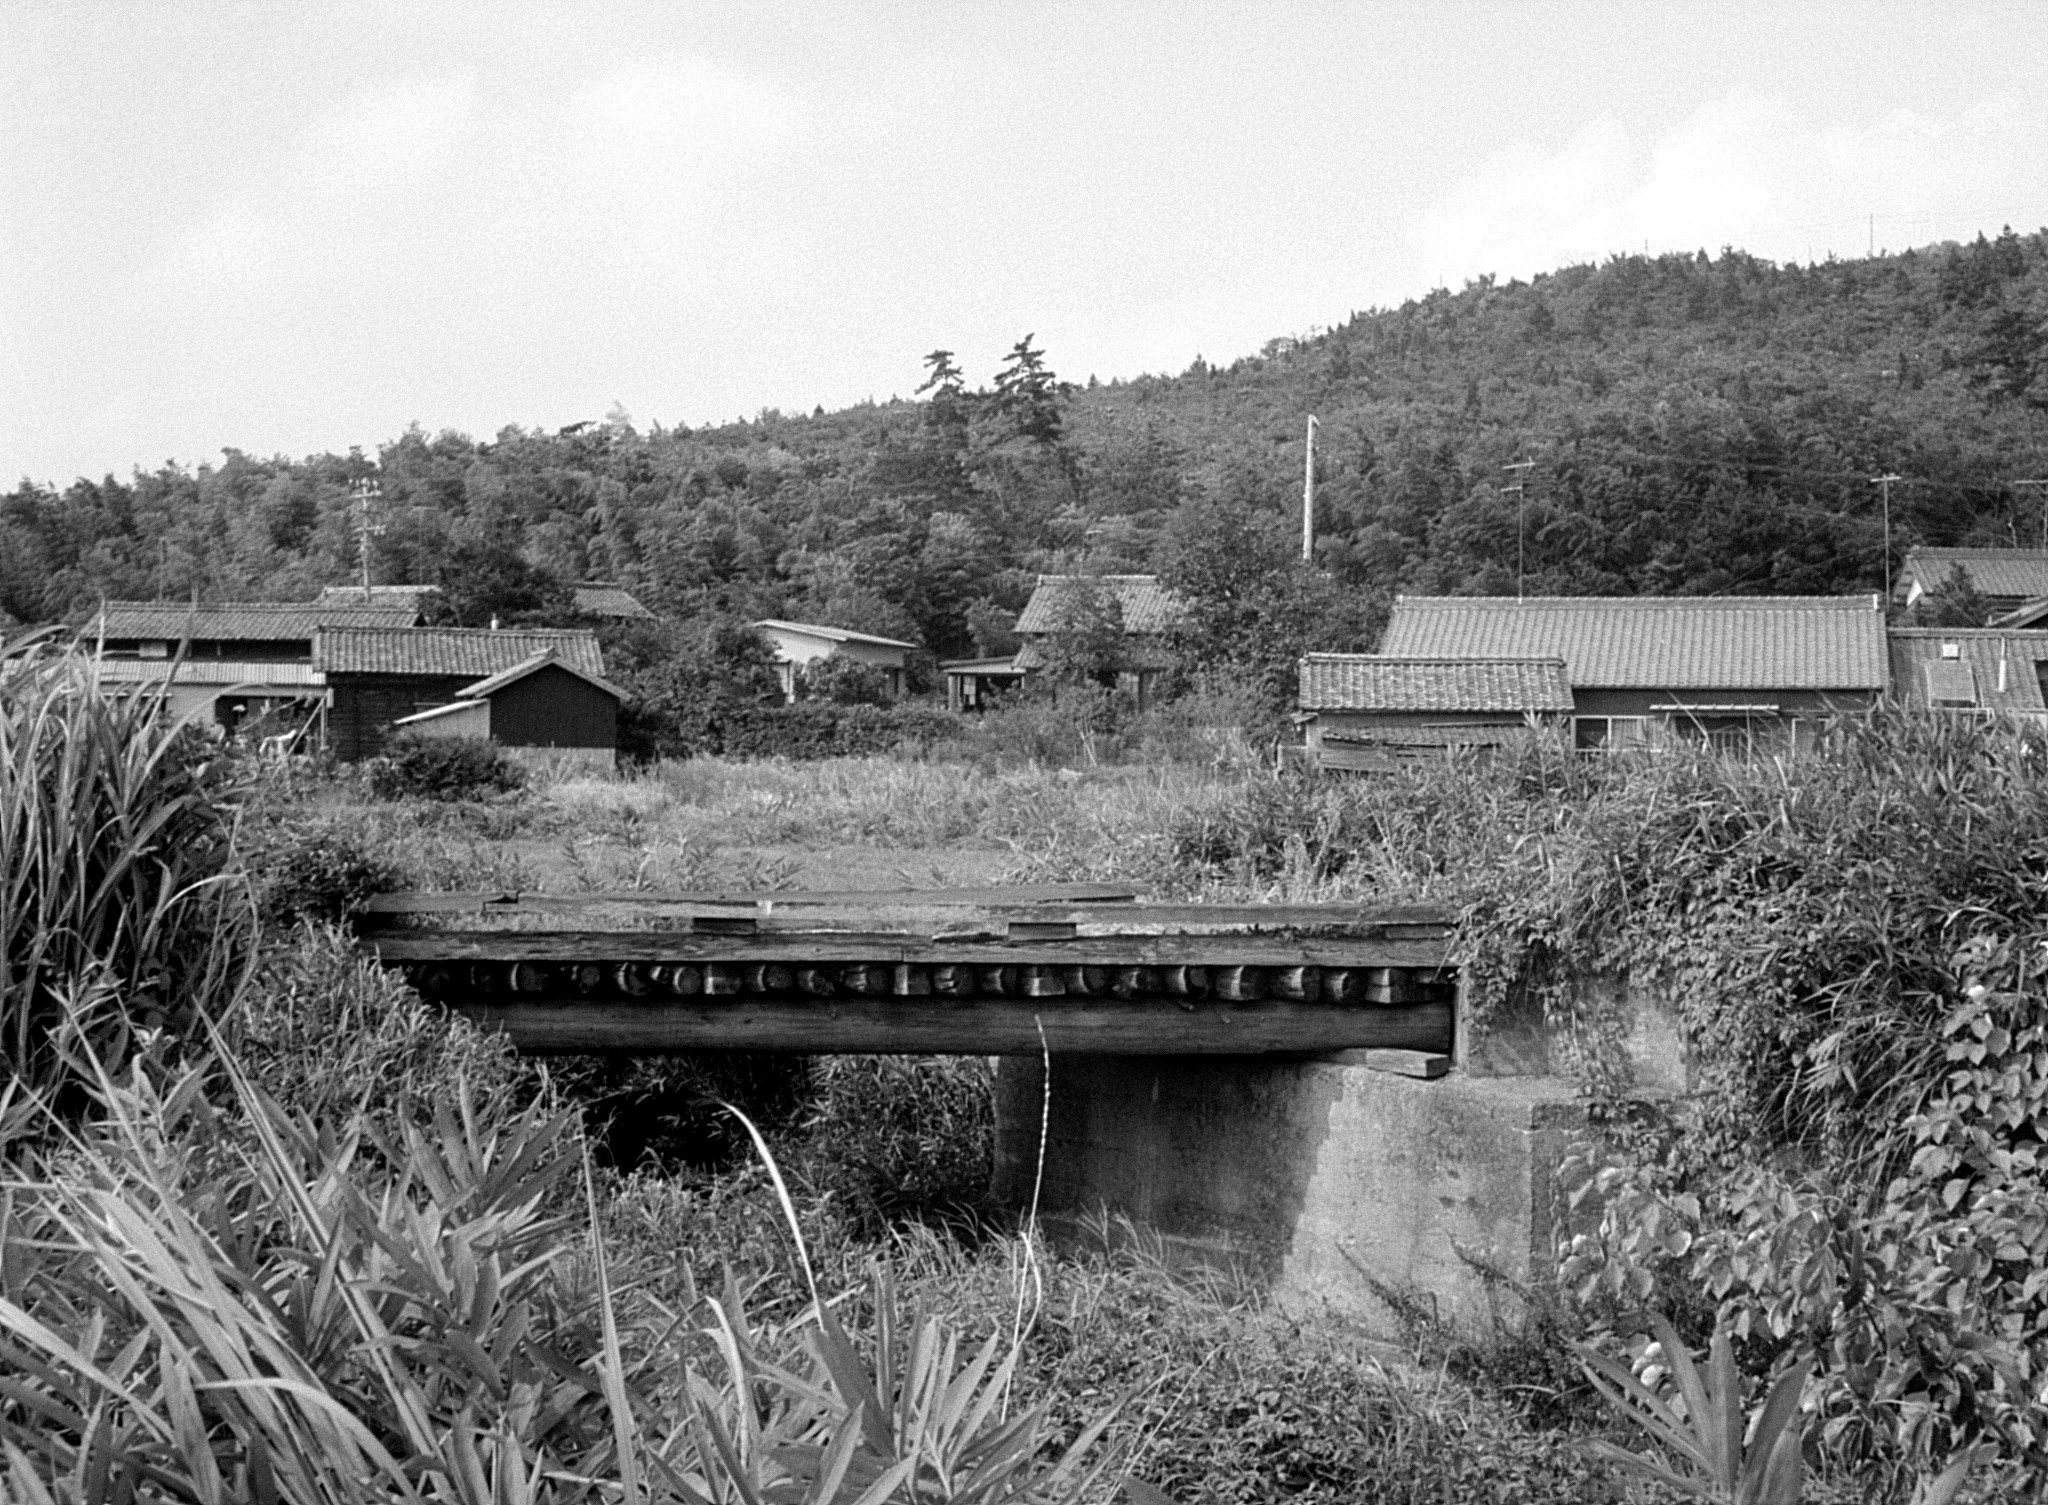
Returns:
point(1308, 496)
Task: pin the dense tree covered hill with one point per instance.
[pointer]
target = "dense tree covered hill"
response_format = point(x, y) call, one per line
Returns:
point(1695, 423)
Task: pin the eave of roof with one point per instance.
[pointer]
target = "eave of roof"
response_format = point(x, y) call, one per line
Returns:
point(1368, 682)
point(832, 634)
point(484, 688)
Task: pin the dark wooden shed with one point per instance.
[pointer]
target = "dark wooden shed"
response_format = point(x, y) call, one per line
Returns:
point(378, 677)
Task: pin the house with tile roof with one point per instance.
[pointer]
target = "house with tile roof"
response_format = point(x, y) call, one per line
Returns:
point(1144, 609)
point(241, 662)
point(797, 645)
point(2004, 579)
point(1979, 672)
point(1731, 670)
point(1370, 712)
point(376, 677)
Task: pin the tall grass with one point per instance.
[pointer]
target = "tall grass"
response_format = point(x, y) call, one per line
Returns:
point(119, 887)
point(208, 1296)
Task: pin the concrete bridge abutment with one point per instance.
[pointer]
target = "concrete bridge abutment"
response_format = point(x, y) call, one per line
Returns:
point(1337, 1186)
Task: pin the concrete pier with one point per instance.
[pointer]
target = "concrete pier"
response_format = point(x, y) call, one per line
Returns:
point(1337, 1185)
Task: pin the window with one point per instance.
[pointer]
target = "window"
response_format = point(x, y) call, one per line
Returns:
point(1609, 733)
point(1951, 684)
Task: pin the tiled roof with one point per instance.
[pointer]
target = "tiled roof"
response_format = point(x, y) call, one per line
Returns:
point(2027, 614)
point(1147, 606)
point(834, 634)
point(249, 621)
point(1369, 682)
point(206, 671)
point(472, 652)
point(598, 600)
point(2020, 574)
point(1922, 674)
point(380, 595)
point(483, 689)
point(1658, 642)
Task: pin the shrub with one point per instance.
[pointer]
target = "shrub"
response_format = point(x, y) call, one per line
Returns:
point(663, 1112)
point(813, 729)
point(895, 1138)
point(843, 681)
point(320, 873)
point(443, 768)
point(118, 878)
point(330, 1032)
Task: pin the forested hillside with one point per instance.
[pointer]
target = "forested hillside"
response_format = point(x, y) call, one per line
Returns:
point(1697, 424)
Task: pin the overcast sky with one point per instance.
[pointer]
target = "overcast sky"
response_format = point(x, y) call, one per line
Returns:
point(298, 227)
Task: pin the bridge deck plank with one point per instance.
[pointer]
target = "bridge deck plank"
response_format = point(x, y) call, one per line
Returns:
point(797, 946)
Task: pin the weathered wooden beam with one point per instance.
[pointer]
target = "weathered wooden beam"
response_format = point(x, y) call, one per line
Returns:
point(819, 947)
point(931, 1025)
point(492, 901)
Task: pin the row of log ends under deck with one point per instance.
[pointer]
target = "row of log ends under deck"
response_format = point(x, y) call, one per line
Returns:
point(992, 1007)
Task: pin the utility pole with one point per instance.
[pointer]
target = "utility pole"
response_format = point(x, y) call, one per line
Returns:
point(1308, 496)
point(1884, 482)
point(2042, 486)
point(1522, 469)
point(368, 493)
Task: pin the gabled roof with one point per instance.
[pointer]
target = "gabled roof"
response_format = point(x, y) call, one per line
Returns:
point(2020, 574)
point(1147, 606)
point(414, 596)
point(598, 599)
point(2027, 614)
point(248, 621)
point(988, 666)
point(483, 689)
point(832, 634)
point(471, 652)
point(1658, 642)
point(1371, 682)
point(1924, 676)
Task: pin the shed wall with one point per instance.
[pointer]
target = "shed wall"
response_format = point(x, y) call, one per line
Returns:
point(553, 708)
point(365, 705)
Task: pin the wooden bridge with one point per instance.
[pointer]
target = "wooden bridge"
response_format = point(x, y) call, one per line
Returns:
point(1002, 971)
